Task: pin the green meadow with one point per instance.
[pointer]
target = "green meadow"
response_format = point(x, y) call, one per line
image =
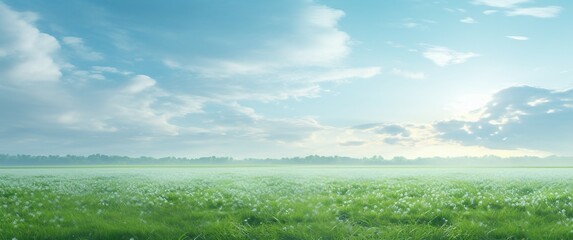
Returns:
point(282, 202)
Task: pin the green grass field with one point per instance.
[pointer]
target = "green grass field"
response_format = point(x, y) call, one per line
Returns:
point(286, 203)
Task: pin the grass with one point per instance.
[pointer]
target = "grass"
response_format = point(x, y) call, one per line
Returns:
point(286, 203)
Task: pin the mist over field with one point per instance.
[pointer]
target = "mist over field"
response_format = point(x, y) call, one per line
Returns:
point(286, 202)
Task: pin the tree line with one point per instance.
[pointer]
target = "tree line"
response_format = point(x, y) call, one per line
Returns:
point(101, 159)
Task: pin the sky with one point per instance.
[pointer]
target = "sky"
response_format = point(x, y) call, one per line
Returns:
point(286, 78)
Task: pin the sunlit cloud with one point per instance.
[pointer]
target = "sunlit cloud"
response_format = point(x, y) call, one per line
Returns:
point(519, 38)
point(518, 117)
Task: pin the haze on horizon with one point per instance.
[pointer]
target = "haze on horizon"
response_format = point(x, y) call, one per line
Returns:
point(286, 78)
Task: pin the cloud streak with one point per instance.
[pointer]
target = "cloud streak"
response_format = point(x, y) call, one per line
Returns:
point(539, 12)
point(81, 50)
point(442, 56)
point(518, 38)
point(468, 20)
point(513, 8)
point(500, 3)
point(408, 74)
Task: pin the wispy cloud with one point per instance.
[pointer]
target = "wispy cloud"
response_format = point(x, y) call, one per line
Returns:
point(519, 38)
point(455, 10)
point(411, 25)
point(347, 73)
point(278, 66)
point(513, 8)
point(391, 134)
point(393, 130)
point(81, 50)
point(107, 69)
point(139, 83)
point(395, 44)
point(310, 38)
point(540, 12)
point(500, 3)
point(417, 23)
point(408, 74)
point(443, 56)
point(468, 20)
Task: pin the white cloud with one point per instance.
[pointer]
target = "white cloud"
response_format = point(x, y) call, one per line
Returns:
point(465, 105)
point(81, 50)
point(417, 23)
point(81, 76)
point(276, 65)
point(407, 74)
point(489, 12)
point(500, 3)
point(26, 54)
point(540, 12)
point(515, 10)
point(322, 16)
point(537, 102)
point(468, 20)
point(411, 24)
point(443, 56)
point(519, 38)
point(223, 68)
point(139, 83)
point(388, 134)
point(456, 10)
point(312, 39)
point(107, 69)
point(395, 44)
point(322, 42)
point(347, 73)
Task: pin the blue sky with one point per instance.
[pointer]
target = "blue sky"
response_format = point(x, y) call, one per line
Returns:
point(286, 78)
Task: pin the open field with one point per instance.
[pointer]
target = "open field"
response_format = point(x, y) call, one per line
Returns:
point(286, 202)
